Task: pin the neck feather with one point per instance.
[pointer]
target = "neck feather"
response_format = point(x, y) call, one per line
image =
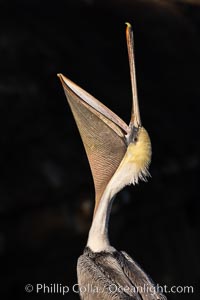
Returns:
point(98, 236)
point(128, 172)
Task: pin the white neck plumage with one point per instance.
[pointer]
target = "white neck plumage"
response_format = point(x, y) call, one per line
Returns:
point(98, 236)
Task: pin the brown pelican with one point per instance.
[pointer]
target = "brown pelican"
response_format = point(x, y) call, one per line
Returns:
point(119, 155)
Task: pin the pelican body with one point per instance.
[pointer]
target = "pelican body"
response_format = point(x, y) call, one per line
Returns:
point(119, 155)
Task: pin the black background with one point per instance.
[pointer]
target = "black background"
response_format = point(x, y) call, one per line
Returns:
point(46, 187)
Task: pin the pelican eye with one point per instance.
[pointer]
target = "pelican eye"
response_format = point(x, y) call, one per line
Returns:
point(135, 131)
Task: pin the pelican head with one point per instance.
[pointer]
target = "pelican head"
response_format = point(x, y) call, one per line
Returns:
point(138, 155)
point(119, 154)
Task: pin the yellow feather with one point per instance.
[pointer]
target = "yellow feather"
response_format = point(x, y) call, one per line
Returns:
point(137, 158)
point(140, 151)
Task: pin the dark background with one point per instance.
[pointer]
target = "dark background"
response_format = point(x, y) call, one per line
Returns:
point(46, 189)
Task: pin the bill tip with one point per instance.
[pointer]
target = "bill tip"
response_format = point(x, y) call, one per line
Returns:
point(128, 24)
